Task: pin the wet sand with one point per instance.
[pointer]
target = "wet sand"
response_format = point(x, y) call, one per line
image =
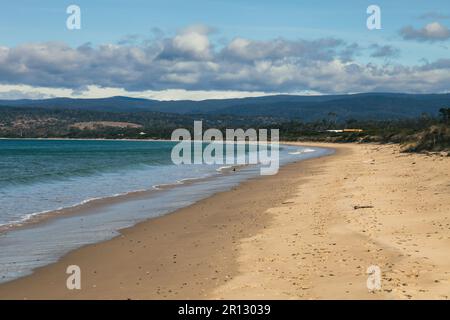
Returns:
point(311, 231)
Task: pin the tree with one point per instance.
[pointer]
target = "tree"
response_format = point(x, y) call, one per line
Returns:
point(333, 118)
point(445, 115)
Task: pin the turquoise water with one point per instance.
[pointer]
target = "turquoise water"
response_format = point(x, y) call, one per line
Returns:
point(43, 175)
point(40, 176)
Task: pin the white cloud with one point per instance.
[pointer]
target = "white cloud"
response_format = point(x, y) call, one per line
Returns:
point(431, 32)
point(188, 62)
point(29, 92)
point(195, 41)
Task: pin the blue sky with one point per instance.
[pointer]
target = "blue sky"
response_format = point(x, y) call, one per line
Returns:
point(110, 21)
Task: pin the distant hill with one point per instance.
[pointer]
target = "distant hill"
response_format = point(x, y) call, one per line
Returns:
point(374, 106)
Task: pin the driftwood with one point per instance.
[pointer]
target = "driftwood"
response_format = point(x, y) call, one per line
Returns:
point(362, 207)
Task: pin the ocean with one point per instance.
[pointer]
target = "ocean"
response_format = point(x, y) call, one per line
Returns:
point(58, 195)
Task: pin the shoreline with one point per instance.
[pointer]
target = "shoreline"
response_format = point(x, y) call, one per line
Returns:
point(88, 205)
point(34, 218)
point(237, 243)
point(80, 210)
point(89, 139)
point(77, 218)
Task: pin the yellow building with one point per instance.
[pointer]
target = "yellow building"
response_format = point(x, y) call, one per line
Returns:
point(353, 130)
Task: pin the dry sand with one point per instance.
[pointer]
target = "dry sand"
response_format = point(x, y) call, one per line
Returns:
point(296, 235)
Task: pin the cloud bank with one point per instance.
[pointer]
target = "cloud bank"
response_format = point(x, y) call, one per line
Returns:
point(190, 61)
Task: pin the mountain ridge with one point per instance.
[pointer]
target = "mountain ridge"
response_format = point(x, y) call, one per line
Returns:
point(376, 105)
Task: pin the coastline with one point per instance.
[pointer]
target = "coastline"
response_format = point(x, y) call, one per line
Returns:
point(88, 139)
point(85, 205)
point(289, 242)
point(27, 244)
point(90, 204)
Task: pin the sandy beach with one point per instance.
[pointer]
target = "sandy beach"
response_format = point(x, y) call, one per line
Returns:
point(309, 232)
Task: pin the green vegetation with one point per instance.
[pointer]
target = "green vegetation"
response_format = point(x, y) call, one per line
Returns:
point(423, 133)
point(415, 135)
point(34, 122)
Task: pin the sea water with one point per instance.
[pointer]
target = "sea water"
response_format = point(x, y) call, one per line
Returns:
point(46, 178)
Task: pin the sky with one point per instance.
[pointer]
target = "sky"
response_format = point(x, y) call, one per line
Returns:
point(200, 49)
